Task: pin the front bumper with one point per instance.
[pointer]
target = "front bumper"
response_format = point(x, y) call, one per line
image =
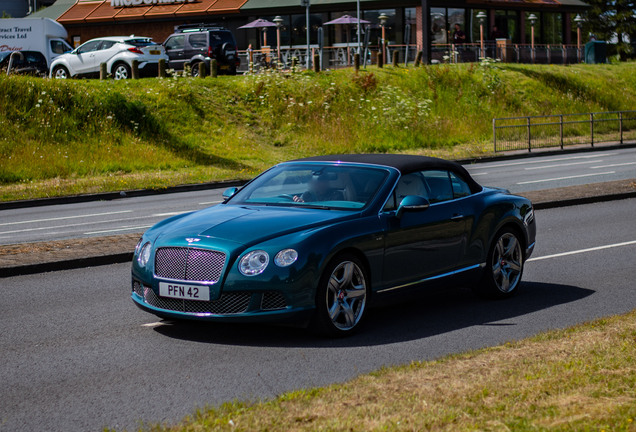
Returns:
point(230, 307)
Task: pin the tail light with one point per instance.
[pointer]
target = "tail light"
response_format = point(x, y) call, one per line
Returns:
point(210, 52)
point(135, 50)
point(237, 62)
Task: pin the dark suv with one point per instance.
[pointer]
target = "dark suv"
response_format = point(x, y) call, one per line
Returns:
point(196, 43)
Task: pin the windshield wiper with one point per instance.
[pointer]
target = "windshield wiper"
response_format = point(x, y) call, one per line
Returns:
point(313, 206)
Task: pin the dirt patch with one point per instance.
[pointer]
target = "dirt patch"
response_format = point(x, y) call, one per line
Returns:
point(581, 191)
point(62, 250)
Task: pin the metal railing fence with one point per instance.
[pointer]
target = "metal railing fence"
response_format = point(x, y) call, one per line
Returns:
point(507, 53)
point(533, 132)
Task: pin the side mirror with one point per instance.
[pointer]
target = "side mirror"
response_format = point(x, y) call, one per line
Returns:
point(412, 203)
point(230, 192)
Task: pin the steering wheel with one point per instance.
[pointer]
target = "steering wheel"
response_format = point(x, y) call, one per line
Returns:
point(286, 196)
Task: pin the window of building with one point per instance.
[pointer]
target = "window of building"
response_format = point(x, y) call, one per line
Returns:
point(299, 32)
point(507, 24)
point(376, 30)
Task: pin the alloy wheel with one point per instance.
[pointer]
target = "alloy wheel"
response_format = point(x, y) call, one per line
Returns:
point(121, 72)
point(60, 73)
point(507, 262)
point(346, 295)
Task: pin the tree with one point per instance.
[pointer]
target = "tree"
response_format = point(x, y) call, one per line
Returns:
point(607, 19)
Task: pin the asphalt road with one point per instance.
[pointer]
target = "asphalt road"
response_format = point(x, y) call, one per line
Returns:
point(76, 355)
point(129, 215)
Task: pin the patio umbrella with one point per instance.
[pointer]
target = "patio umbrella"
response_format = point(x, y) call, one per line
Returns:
point(347, 20)
point(259, 23)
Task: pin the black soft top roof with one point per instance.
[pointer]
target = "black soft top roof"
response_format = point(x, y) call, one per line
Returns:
point(406, 164)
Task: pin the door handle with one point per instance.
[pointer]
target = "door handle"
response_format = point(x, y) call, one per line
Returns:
point(457, 216)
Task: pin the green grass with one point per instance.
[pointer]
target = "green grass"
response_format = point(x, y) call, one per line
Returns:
point(578, 379)
point(78, 136)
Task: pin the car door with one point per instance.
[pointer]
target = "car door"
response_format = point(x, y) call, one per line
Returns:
point(107, 49)
point(175, 49)
point(197, 44)
point(425, 244)
point(83, 60)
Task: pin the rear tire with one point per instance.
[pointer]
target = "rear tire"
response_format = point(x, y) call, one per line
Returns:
point(60, 72)
point(504, 266)
point(194, 70)
point(341, 297)
point(121, 71)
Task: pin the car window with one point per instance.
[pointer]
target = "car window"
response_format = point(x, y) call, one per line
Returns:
point(326, 186)
point(218, 38)
point(107, 44)
point(198, 41)
point(59, 47)
point(460, 187)
point(175, 43)
point(89, 46)
point(438, 185)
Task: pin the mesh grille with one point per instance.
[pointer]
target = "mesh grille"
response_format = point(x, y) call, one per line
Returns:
point(189, 264)
point(273, 301)
point(228, 304)
point(137, 289)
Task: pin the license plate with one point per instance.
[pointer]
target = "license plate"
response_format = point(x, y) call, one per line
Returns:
point(224, 67)
point(188, 292)
point(155, 52)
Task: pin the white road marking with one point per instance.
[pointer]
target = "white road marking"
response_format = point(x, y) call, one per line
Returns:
point(171, 214)
point(158, 215)
point(211, 202)
point(477, 174)
point(65, 217)
point(469, 167)
point(583, 251)
point(614, 165)
point(562, 165)
point(128, 228)
point(154, 324)
point(565, 178)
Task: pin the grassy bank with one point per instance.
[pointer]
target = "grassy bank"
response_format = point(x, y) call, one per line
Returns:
point(78, 136)
point(578, 379)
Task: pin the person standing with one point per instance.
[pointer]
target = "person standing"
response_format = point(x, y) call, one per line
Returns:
point(459, 39)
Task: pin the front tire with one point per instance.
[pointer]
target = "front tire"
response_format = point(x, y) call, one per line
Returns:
point(504, 266)
point(121, 71)
point(60, 72)
point(341, 297)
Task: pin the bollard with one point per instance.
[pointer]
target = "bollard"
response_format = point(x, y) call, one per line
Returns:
point(380, 60)
point(103, 72)
point(418, 58)
point(316, 63)
point(214, 68)
point(356, 62)
point(396, 58)
point(162, 68)
point(203, 70)
point(294, 64)
point(135, 69)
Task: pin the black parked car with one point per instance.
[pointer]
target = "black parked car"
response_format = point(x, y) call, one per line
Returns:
point(31, 63)
point(198, 43)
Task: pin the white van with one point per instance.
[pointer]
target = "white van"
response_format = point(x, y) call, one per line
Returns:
point(41, 35)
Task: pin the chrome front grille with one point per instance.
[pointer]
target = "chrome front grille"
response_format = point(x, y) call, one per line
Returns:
point(228, 304)
point(189, 264)
point(273, 301)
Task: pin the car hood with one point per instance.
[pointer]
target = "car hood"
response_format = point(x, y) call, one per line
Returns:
point(249, 225)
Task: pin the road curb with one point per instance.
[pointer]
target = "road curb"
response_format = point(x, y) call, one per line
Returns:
point(109, 196)
point(120, 258)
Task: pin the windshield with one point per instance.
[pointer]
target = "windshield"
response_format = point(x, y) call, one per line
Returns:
point(317, 186)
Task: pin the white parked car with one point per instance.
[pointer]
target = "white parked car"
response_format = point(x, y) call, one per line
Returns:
point(118, 52)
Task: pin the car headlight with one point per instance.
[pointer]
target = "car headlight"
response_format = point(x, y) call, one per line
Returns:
point(286, 257)
point(138, 245)
point(254, 263)
point(144, 255)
